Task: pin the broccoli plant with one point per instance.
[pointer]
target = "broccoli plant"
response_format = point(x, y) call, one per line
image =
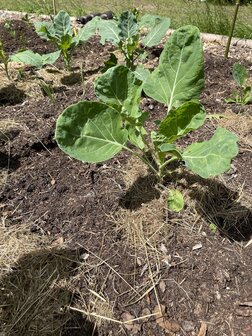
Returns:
point(244, 95)
point(95, 131)
point(125, 33)
point(61, 34)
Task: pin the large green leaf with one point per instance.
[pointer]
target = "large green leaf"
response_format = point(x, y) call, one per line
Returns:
point(87, 31)
point(51, 57)
point(149, 21)
point(179, 76)
point(240, 74)
point(127, 25)
point(42, 28)
point(62, 24)
point(189, 116)
point(108, 31)
point(213, 157)
point(157, 33)
point(90, 132)
point(34, 59)
point(118, 86)
point(141, 73)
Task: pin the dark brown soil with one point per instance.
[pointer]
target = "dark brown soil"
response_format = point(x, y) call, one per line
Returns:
point(80, 203)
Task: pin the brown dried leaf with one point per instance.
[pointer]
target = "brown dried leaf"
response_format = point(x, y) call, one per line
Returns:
point(131, 326)
point(146, 312)
point(163, 322)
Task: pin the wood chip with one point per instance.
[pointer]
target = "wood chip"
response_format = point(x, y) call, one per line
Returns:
point(162, 286)
point(203, 329)
point(247, 304)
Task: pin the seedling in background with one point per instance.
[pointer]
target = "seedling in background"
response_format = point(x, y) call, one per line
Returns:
point(125, 33)
point(8, 25)
point(95, 131)
point(244, 95)
point(47, 90)
point(4, 60)
point(61, 34)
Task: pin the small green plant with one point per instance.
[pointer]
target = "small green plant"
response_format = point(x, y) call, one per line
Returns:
point(8, 25)
point(95, 131)
point(5, 60)
point(35, 59)
point(125, 33)
point(61, 34)
point(244, 95)
point(47, 90)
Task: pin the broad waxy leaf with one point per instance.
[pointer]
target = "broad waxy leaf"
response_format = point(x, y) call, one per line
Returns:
point(213, 157)
point(90, 132)
point(189, 116)
point(127, 25)
point(39, 27)
point(86, 32)
point(141, 73)
point(34, 59)
point(108, 31)
point(157, 33)
point(240, 74)
point(179, 76)
point(149, 21)
point(62, 24)
point(175, 200)
point(118, 86)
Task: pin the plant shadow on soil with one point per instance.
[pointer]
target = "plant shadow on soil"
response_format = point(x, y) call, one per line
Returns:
point(219, 205)
point(143, 190)
point(11, 95)
point(9, 162)
point(214, 201)
point(34, 301)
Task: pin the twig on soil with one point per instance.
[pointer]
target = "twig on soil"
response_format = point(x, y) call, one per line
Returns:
point(113, 320)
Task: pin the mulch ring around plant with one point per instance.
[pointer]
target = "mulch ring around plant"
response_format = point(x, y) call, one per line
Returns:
point(88, 247)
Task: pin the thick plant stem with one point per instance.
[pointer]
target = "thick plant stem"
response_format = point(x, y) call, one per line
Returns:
point(161, 168)
point(232, 28)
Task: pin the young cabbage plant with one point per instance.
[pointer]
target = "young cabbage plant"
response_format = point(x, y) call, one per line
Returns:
point(35, 59)
point(95, 131)
point(244, 95)
point(61, 34)
point(125, 33)
point(5, 60)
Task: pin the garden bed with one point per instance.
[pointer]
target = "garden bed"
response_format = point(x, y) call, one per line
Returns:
point(104, 246)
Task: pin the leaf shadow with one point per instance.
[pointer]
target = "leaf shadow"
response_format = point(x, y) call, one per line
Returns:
point(219, 205)
point(33, 300)
point(143, 190)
